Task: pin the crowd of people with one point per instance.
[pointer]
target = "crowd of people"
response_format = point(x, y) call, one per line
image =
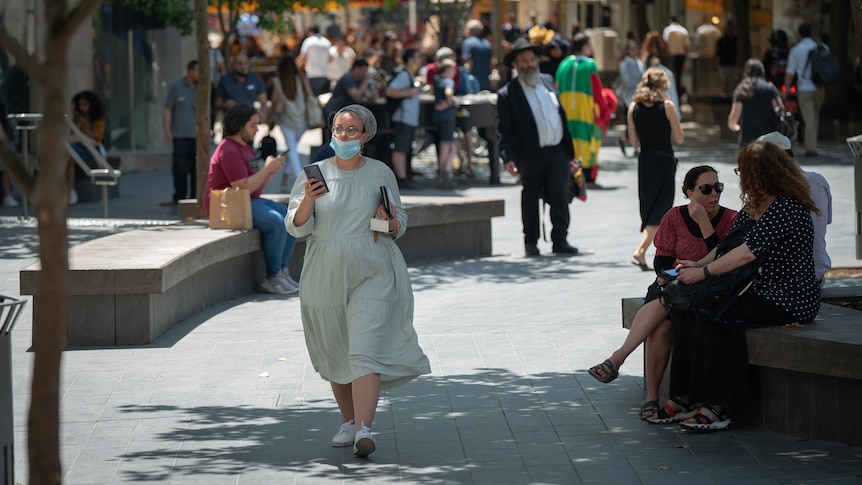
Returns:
point(552, 109)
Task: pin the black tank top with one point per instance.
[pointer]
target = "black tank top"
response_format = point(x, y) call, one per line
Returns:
point(653, 127)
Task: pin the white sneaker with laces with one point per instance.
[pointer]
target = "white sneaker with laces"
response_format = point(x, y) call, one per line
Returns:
point(364, 443)
point(286, 282)
point(10, 201)
point(273, 285)
point(345, 435)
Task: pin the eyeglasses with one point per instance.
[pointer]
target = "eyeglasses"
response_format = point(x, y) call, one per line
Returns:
point(706, 189)
point(350, 131)
point(736, 171)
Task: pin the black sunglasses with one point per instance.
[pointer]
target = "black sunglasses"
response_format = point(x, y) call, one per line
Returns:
point(706, 189)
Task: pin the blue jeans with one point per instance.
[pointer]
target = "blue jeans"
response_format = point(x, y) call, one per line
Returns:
point(268, 216)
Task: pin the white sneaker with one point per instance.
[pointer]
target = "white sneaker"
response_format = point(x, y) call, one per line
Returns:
point(73, 197)
point(364, 443)
point(286, 282)
point(273, 285)
point(345, 435)
point(10, 201)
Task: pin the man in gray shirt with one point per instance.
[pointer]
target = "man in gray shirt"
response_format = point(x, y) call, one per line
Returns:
point(179, 126)
point(405, 119)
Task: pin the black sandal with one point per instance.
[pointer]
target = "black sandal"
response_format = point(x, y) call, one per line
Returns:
point(667, 414)
point(604, 372)
point(649, 409)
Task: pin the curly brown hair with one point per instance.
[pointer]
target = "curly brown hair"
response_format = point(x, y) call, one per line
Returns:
point(766, 170)
point(652, 87)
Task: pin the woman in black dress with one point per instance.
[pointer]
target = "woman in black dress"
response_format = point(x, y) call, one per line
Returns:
point(652, 120)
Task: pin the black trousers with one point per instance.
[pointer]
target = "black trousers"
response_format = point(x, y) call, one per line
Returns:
point(710, 361)
point(184, 168)
point(551, 183)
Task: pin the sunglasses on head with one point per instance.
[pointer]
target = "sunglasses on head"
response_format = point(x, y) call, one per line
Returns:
point(706, 189)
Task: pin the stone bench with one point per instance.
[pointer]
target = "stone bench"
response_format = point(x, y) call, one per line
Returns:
point(807, 380)
point(128, 288)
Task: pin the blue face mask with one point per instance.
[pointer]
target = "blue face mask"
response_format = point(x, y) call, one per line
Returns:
point(345, 149)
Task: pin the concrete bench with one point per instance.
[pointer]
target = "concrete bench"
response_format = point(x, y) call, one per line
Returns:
point(807, 380)
point(440, 228)
point(128, 288)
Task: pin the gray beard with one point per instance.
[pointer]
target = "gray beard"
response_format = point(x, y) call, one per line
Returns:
point(530, 79)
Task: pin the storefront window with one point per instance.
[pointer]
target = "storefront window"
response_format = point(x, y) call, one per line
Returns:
point(125, 75)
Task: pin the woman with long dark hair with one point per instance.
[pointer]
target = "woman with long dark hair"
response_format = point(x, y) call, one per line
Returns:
point(290, 90)
point(755, 102)
point(686, 232)
point(88, 114)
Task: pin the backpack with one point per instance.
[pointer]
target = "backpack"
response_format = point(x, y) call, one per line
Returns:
point(392, 104)
point(825, 69)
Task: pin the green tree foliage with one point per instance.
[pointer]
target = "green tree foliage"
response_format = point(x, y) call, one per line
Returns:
point(273, 14)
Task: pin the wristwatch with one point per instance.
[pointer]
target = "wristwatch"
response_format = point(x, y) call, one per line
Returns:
point(706, 273)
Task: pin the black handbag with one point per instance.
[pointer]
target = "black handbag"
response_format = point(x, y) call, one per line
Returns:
point(708, 300)
point(787, 125)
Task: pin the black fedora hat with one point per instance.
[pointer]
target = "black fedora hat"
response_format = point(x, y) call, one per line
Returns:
point(521, 45)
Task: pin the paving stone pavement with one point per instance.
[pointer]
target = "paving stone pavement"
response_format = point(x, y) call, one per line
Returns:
point(229, 395)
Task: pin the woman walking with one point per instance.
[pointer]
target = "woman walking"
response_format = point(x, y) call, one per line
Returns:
point(356, 299)
point(290, 89)
point(652, 121)
point(755, 104)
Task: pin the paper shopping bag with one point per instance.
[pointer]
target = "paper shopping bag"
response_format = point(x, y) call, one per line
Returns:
point(230, 209)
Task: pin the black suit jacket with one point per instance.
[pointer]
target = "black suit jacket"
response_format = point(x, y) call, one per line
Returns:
point(517, 134)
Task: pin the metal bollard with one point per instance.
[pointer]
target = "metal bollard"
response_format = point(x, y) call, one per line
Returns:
point(855, 143)
point(10, 309)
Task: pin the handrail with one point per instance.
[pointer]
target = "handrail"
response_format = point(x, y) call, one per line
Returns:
point(105, 175)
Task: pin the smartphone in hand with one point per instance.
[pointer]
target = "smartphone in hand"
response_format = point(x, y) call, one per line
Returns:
point(313, 172)
point(669, 274)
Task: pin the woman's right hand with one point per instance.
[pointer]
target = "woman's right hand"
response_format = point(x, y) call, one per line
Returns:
point(314, 189)
point(697, 212)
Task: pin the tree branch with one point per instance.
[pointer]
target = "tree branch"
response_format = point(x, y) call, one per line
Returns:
point(22, 57)
point(69, 23)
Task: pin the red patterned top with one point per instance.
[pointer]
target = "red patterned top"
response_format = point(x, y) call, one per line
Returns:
point(679, 236)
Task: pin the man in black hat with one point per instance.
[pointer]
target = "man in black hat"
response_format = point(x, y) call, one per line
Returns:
point(536, 145)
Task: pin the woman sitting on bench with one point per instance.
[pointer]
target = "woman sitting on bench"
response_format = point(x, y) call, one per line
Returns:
point(686, 232)
point(777, 206)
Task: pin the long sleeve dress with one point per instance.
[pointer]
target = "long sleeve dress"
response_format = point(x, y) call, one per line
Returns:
point(355, 294)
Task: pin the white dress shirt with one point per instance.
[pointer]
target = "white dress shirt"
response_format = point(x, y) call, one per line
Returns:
point(545, 107)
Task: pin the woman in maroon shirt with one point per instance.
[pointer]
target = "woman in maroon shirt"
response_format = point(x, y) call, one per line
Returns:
point(686, 232)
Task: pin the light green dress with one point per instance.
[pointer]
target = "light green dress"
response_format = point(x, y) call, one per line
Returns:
point(355, 294)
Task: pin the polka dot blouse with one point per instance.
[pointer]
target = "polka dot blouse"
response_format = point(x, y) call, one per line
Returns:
point(785, 234)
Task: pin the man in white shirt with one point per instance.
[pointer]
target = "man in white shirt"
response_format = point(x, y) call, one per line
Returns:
point(678, 44)
point(314, 58)
point(706, 37)
point(536, 146)
point(810, 96)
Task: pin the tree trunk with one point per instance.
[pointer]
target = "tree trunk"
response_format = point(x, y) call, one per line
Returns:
point(50, 194)
point(202, 105)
